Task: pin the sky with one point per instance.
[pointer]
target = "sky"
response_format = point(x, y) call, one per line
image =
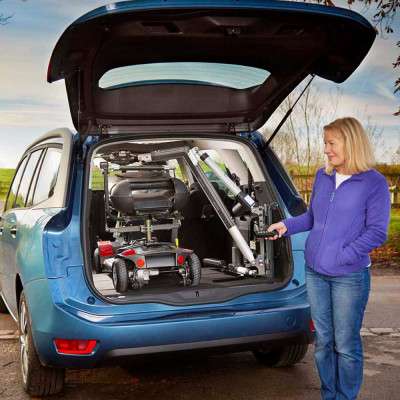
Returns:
point(29, 106)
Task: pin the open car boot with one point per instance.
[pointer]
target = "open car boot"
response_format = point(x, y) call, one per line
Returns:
point(180, 214)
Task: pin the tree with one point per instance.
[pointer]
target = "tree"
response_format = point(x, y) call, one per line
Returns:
point(300, 144)
point(375, 134)
point(383, 20)
point(396, 156)
point(5, 18)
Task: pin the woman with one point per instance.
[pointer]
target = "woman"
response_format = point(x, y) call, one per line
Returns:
point(348, 216)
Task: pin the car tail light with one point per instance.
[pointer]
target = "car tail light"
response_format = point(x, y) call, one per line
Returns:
point(312, 326)
point(75, 346)
point(128, 252)
point(105, 249)
point(180, 259)
point(140, 262)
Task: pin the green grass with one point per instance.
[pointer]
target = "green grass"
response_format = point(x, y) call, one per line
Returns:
point(389, 253)
point(6, 175)
point(394, 229)
point(97, 179)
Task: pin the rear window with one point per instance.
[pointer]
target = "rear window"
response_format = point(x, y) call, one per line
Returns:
point(48, 176)
point(228, 75)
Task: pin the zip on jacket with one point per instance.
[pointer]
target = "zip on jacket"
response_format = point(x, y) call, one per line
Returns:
point(345, 223)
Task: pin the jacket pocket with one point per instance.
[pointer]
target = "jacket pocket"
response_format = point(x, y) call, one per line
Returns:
point(310, 246)
point(357, 226)
point(328, 255)
point(340, 257)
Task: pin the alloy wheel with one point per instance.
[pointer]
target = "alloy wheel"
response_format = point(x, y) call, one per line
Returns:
point(23, 340)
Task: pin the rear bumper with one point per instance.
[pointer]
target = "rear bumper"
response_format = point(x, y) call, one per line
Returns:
point(214, 346)
point(227, 331)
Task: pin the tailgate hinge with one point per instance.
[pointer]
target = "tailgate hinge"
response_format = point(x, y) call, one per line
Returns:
point(103, 130)
point(231, 128)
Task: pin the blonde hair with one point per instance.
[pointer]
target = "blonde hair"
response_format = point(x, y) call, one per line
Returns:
point(358, 153)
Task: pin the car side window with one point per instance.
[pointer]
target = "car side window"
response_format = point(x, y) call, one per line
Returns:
point(48, 174)
point(12, 194)
point(29, 202)
point(26, 180)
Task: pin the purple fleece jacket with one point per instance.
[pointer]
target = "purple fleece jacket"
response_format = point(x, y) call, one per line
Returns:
point(345, 224)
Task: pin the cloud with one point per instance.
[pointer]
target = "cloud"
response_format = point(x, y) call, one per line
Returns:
point(29, 106)
point(40, 116)
point(374, 109)
point(385, 92)
point(379, 106)
point(25, 78)
point(384, 51)
point(54, 12)
point(26, 98)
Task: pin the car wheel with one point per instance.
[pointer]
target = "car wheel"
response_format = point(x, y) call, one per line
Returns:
point(194, 269)
point(37, 380)
point(120, 275)
point(281, 356)
point(3, 307)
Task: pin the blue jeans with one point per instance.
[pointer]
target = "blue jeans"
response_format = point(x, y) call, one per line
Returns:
point(337, 309)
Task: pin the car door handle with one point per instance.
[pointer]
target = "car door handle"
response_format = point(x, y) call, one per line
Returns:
point(13, 231)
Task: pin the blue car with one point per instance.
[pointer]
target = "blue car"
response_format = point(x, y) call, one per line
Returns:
point(144, 231)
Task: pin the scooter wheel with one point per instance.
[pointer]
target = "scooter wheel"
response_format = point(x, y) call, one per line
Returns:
point(96, 262)
point(120, 275)
point(194, 269)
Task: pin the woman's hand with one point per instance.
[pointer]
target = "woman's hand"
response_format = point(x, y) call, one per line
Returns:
point(278, 226)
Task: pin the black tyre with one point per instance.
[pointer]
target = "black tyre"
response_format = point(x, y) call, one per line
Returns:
point(37, 380)
point(3, 308)
point(281, 356)
point(120, 275)
point(96, 262)
point(194, 269)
